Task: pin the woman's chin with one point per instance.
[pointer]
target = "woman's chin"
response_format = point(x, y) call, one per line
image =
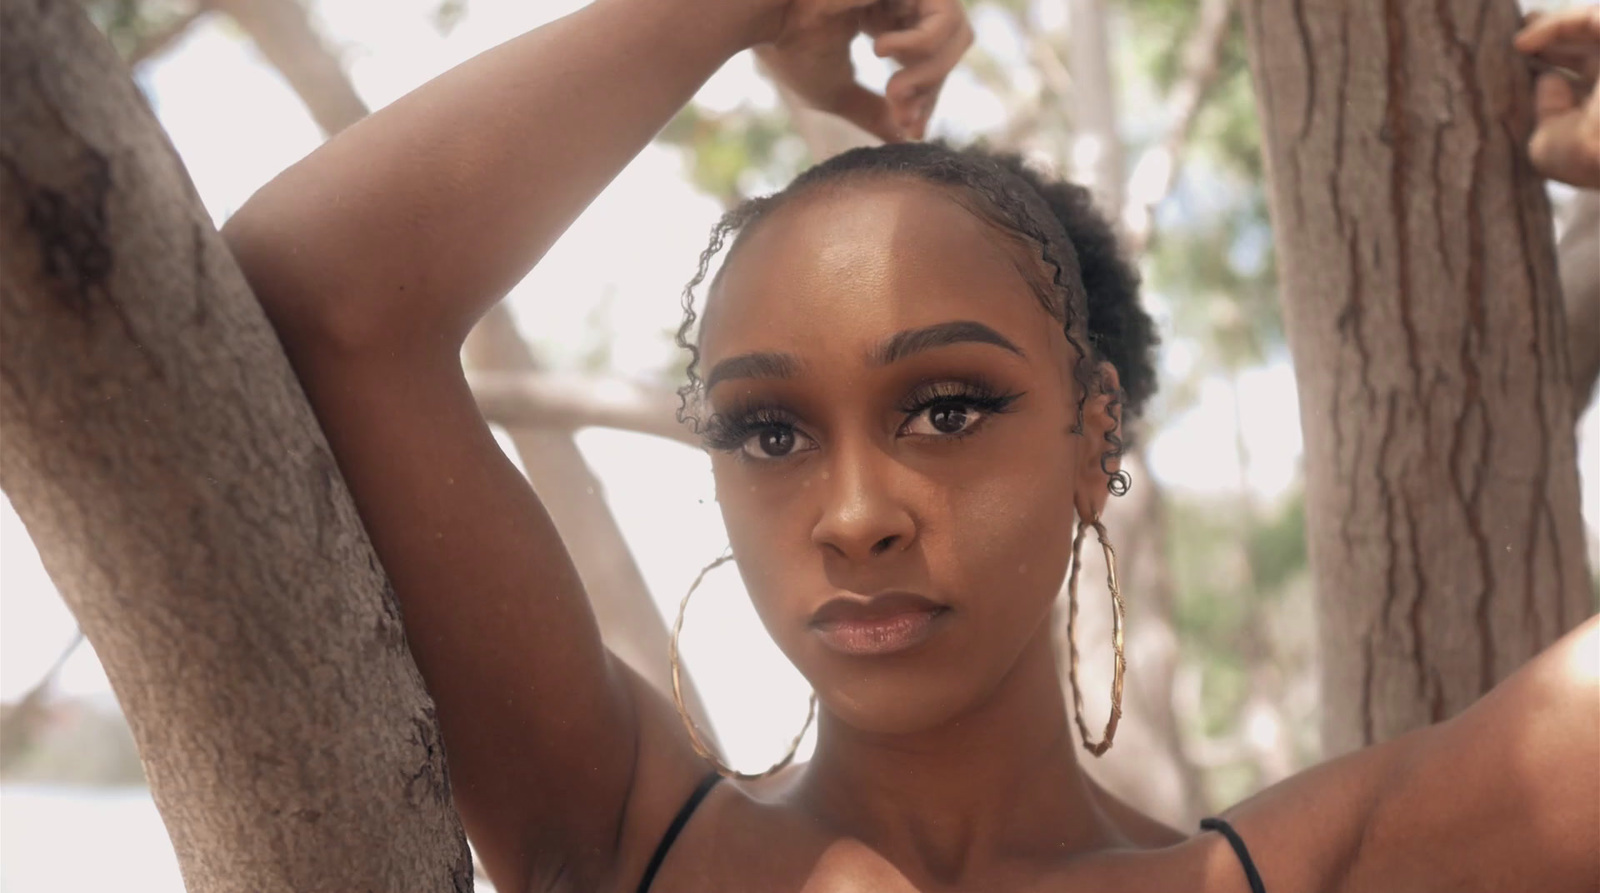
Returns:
point(895, 705)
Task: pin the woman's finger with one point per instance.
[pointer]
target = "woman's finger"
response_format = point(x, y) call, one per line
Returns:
point(889, 15)
point(870, 112)
point(1583, 62)
point(1580, 26)
point(909, 111)
point(931, 31)
point(1552, 95)
point(1556, 152)
point(917, 78)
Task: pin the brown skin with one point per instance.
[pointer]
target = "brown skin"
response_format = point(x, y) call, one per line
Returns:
point(1565, 144)
point(949, 768)
point(956, 752)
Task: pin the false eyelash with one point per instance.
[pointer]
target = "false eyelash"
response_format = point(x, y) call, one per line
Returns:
point(728, 432)
point(974, 392)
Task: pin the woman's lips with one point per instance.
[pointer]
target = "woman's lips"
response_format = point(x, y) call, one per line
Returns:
point(883, 625)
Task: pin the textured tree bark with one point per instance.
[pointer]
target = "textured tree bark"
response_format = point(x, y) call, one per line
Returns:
point(1420, 296)
point(160, 451)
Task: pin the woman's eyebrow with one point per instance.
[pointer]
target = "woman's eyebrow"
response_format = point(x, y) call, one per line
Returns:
point(913, 341)
point(771, 364)
point(763, 364)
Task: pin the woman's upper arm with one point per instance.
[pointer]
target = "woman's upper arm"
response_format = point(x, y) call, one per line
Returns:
point(1505, 796)
point(539, 729)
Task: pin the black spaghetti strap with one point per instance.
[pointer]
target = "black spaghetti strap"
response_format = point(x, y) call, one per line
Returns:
point(678, 821)
point(1237, 842)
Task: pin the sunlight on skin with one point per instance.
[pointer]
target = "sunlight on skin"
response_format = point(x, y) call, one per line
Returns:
point(1584, 661)
point(850, 866)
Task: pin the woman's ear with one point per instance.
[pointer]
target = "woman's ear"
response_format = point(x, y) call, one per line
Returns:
point(1101, 456)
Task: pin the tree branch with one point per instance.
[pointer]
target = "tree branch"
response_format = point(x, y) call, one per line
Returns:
point(1157, 169)
point(517, 400)
point(282, 30)
point(1092, 86)
point(152, 45)
point(24, 718)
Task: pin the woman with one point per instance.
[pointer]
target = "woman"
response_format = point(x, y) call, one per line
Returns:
point(915, 364)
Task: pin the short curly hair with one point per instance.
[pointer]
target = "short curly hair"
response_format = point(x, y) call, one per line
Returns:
point(1092, 289)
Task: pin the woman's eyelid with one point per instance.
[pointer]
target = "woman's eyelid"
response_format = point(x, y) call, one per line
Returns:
point(974, 391)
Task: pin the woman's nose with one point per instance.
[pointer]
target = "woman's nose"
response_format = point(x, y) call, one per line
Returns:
point(862, 516)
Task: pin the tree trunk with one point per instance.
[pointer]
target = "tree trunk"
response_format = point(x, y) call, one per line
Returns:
point(1420, 297)
point(164, 460)
point(1099, 159)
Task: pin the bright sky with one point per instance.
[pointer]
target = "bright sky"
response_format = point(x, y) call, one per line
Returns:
point(236, 125)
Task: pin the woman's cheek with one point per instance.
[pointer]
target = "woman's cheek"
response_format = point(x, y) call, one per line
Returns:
point(1014, 535)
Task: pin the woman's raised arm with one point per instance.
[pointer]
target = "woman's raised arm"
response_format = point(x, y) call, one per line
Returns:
point(374, 256)
point(410, 224)
point(1504, 797)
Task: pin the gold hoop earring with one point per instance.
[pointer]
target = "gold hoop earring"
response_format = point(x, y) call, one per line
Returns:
point(1116, 636)
point(695, 740)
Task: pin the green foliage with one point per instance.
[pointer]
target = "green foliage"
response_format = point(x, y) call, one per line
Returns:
point(448, 14)
point(1276, 547)
point(732, 155)
point(130, 24)
point(1229, 132)
point(1215, 267)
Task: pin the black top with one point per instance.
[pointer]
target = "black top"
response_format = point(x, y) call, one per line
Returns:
point(1237, 842)
point(700, 791)
point(678, 821)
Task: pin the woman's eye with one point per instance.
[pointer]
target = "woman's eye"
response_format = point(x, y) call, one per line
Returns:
point(942, 419)
point(774, 443)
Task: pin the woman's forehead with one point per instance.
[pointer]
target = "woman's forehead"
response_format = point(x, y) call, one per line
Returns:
point(864, 260)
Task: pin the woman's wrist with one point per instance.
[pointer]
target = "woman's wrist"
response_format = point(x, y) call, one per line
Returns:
point(743, 24)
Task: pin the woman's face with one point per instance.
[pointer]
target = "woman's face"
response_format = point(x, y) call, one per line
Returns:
point(949, 472)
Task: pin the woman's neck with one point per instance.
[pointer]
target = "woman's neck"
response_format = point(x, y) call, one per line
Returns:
point(998, 784)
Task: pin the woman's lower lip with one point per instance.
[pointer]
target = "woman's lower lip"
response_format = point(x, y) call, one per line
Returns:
point(881, 635)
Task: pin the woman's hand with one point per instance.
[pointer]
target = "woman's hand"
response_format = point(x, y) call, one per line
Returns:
point(1566, 138)
point(811, 56)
